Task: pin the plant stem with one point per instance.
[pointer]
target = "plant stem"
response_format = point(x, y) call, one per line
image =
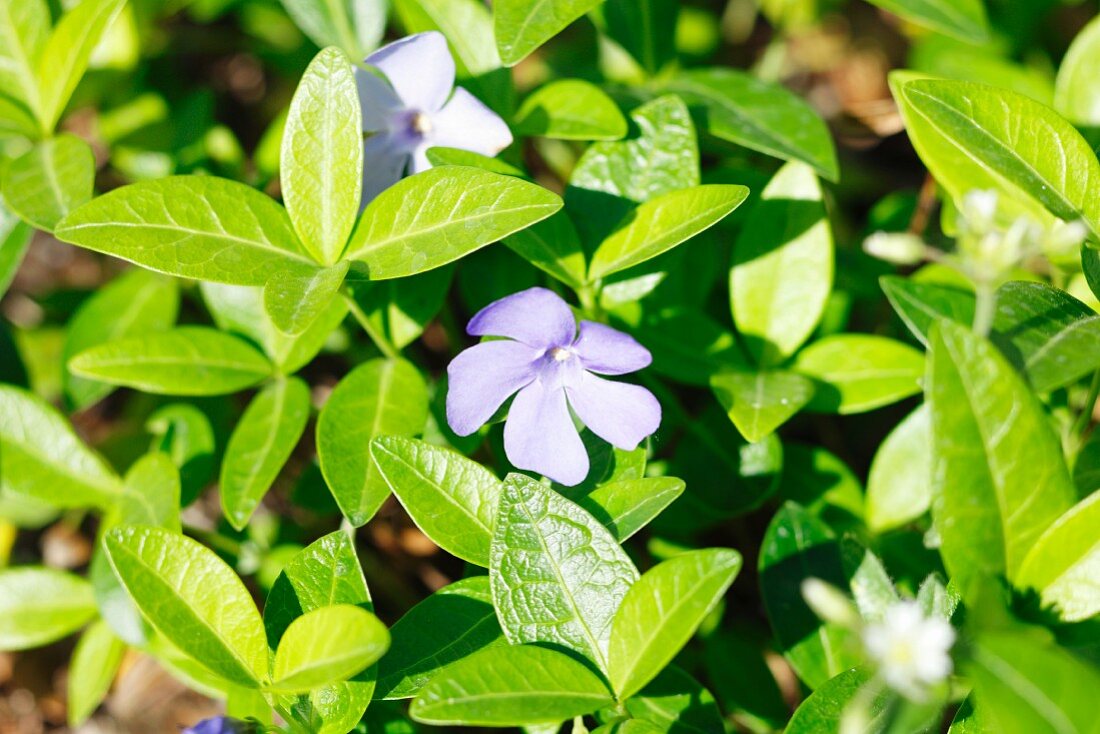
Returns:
point(214, 539)
point(985, 308)
point(1084, 420)
point(379, 340)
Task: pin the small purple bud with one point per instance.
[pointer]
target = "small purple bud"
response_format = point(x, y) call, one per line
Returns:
point(222, 725)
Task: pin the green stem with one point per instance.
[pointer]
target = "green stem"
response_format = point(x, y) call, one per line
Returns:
point(590, 303)
point(1084, 420)
point(379, 340)
point(985, 309)
point(214, 539)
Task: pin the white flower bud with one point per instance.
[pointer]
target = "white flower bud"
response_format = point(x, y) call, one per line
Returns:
point(830, 603)
point(911, 650)
point(899, 248)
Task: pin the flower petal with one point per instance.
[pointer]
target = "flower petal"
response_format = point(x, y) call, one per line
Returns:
point(619, 413)
point(420, 68)
point(384, 164)
point(377, 100)
point(482, 377)
point(537, 317)
point(609, 351)
point(540, 436)
point(468, 124)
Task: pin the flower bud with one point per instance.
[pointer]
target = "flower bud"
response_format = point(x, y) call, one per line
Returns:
point(899, 248)
point(830, 603)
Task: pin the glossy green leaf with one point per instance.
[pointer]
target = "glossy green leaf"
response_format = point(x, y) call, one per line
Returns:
point(822, 484)
point(294, 300)
point(450, 625)
point(184, 433)
point(192, 226)
point(510, 685)
point(646, 29)
point(42, 457)
point(676, 703)
point(15, 238)
point(193, 598)
point(822, 711)
point(1077, 91)
point(963, 19)
point(554, 247)
point(626, 506)
point(150, 494)
point(24, 30)
point(442, 214)
point(899, 486)
point(782, 266)
point(521, 26)
point(327, 645)
point(661, 612)
point(260, 445)
point(998, 476)
point(758, 403)
point(661, 223)
point(570, 109)
point(444, 156)
point(858, 372)
point(760, 115)
point(401, 309)
point(39, 605)
point(451, 498)
point(356, 26)
point(921, 305)
point(137, 302)
point(49, 180)
point(872, 589)
point(546, 545)
point(188, 360)
point(322, 156)
point(1063, 563)
point(95, 663)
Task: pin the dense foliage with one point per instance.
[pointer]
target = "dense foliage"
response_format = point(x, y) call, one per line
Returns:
point(645, 365)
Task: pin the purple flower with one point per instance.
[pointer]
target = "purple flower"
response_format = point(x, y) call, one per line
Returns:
point(221, 725)
point(551, 368)
point(417, 111)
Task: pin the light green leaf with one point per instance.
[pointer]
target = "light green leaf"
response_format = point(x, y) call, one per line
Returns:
point(67, 52)
point(760, 115)
point(822, 711)
point(24, 30)
point(554, 247)
point(661, 612)
point(646, 29)
point(661, 223)
point(782, 266)
point(184, 433)
point(16, 119)
point(521, 26)
point(935, 599)
point(450, 625)
point(193, 598)
point(872, 589)
point(442, 214)
point(150, 494)
point(95, 663)
point(510, 685)
point(1077, 90)
point(41, 456)
point(356, 26)
point(998, 476)
point(188, 360)
point(327, 645)
point(899, 486)
point(294, 300)
point(137, 302)
point(451, 498)
point(261, 443)
point(401, 309)
point(1063, 563)
point(758, 403)
point(858, 372)
point(676, 703)
point(570, 109)
point(920, 305)
point(40, 605)
point(378, 398)
point(193, 226)
point(962, 19)
point(628, 505)
point(322, 156)
point(543, 540)
point(15, 238)
point(50, 180)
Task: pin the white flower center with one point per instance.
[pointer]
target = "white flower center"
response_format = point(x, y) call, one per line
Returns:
point(420, 124)
point(561, 354)
point(912, 650)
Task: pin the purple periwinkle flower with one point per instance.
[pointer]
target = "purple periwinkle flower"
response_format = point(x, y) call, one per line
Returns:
point(551, 367)
point(221, 725)
point(417, 111)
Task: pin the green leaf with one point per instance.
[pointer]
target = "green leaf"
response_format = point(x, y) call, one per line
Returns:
point(1062, 564)
point(95, 663)
point(150, 494)
point(322, 156)
point(921, 305)
point(899, 486)
point(554, 247)
point(15, 238)
point(1077, 91)
point(260, 445)
point(962, 19)
point(626, 506)
point(401, 309)
point(822, 484)
point(999, 479)
point(450, 625)
point(355, 26)
point(444, 156)
point(782, 270)
point(24, 30)
point(521, 26)
point(510, 685)
point(199, 227)
point(50, 180)
point(935, 599)
point(822, 711)
point(184, 433)
point(67, 52)
point(137, 302)
point(451, 498)
point(16, 119)
point(871, 586)
point(295, 300)
point(661, 223)
point(676, 703)
point(442, 214)
point(327, 645)
point(858, 372)
point(193, 598)
point(969, 136)
point(543, 541)
point(758, 403)
point(661, 612)
point(760, 115)
point(188, 360)
point(40, 605)
point(645, 28)
point(42, 457)
point(570, 109)
point(378, 398)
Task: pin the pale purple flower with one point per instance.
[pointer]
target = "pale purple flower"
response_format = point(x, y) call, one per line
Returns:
point(221, 725)
point(551, 367)
point(417, 110)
